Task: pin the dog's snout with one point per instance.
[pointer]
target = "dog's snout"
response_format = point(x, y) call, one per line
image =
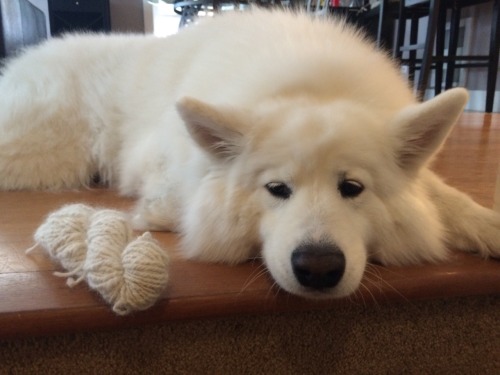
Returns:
point(318, 266)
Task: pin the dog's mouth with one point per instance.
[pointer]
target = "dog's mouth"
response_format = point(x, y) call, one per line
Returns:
point(315, 293)
point(319, 294)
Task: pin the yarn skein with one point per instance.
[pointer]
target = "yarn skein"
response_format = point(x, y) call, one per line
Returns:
point(107, 236)
point(144, 275)
point(95, 245)
point(130, 276)
point(64, 236)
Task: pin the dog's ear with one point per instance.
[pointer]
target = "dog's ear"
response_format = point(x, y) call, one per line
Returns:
point(218, 130)
point(421, 129)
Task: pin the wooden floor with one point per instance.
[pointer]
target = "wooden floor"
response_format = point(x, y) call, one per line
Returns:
point(33, 301)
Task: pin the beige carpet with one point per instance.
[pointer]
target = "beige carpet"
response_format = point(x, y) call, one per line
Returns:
point(459, 336)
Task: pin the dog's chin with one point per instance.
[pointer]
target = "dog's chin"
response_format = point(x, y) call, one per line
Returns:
point(336, 292)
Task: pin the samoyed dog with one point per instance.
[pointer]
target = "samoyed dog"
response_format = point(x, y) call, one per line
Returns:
point(261, 133)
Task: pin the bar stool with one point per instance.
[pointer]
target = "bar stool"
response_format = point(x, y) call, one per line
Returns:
point(436, 11)
point(385, 13)
point(189, 10)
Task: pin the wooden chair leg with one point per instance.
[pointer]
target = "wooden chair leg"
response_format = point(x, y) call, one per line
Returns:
point(429, 47)
point(440, 35)
point(493, 63)
point(412, 59)
point(400, 31)
point(452, 48)
point(382, 24)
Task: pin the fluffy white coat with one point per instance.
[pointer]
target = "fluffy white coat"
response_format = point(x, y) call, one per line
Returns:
point(265, 133)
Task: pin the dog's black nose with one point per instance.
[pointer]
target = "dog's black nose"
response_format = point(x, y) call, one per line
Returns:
point(318, 266)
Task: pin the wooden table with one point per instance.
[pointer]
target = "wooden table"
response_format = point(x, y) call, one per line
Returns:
point(34, 302)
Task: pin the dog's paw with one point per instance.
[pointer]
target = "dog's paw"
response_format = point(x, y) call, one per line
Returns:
point(481, 235)
point(489, 236)
point(469, 226)
point(155, 214)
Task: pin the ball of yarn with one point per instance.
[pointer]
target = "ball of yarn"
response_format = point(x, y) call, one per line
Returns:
point(107, 236)
point(94, 245)
point(130, 276)
point(64, 234)
point(145, 276)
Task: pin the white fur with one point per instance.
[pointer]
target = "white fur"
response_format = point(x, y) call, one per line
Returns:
point(295, 100)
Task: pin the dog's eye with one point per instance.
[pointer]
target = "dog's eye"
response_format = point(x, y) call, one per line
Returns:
point(279, 190)
point(350, 188)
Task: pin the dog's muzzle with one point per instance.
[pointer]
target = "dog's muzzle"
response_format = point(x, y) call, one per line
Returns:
point(318, 266)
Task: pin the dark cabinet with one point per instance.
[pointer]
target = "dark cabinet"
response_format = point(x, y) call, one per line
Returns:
point(79, 15)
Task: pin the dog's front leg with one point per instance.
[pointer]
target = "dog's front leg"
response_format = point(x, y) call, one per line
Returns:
point(156, 214)
point(469, 226)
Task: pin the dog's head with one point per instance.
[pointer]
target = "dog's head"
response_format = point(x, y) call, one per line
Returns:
point(321, 179)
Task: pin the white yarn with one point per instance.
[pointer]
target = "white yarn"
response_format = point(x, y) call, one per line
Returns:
point(63, 235)
point(144, 277)
point(107, 236)
point(95, 245)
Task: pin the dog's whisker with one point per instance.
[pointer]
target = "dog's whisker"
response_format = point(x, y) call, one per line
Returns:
point(354, 298)
point(369, 293)
point(373, 278)
point(255, 275)
point(358, 295)
point(274, 290)
point(380, 282)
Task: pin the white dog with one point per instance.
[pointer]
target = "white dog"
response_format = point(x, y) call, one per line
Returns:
point(265, 132)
